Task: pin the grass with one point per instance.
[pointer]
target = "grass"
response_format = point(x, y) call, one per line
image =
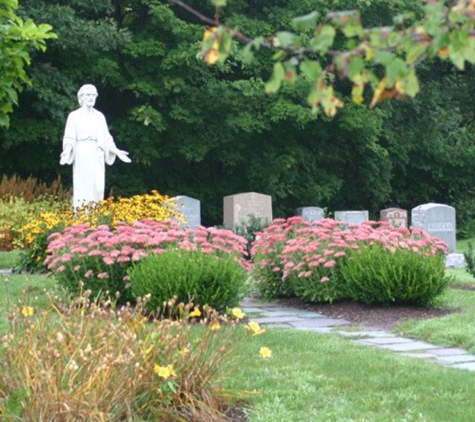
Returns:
point(320, 377)
point(314, 377)
point(455, 330)
point(25, 290)
point(328, 378)
point(8, 259)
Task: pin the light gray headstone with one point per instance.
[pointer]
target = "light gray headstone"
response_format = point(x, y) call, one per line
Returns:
point(437, 220)
point(396, 216)
point(352, 217)
point(455, 260)
point(191, 210)
point(311, 213)
point(238, 208)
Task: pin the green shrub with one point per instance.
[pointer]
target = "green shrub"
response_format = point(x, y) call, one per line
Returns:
point(324, 285)
point(189, 275)
point(377, 275)
point(249, 228)
point(470, 259)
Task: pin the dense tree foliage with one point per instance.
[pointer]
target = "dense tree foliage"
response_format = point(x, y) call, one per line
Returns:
point(17, 38)
point(213, 131)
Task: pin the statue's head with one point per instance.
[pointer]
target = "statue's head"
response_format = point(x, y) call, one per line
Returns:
point(86, 89)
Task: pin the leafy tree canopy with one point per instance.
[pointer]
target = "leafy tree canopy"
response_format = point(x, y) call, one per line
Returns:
point(334, 46)
point(17, 38)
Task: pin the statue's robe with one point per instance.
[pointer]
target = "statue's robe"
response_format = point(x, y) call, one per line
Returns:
point(87, 132)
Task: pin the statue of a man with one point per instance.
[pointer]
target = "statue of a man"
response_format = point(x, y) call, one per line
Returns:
point(88, 146)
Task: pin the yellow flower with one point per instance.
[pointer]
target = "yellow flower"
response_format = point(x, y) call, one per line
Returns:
point(215, 326)
point(255, 328)
point(164, 371)
point(265, 352)
point(184, 351)
point(211, 56)
point(238, 313)
point(27, 311)
point(196, 313)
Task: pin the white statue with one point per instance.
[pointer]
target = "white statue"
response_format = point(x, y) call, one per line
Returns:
point(88, 146)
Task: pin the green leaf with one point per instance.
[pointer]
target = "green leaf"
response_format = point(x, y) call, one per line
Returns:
point(306, 22)
point(456, 57)
point(219, 3)
point(352, 29)
point(225, 46)
point(311, 69)
point(278, 74)
point(396, 69)
point(383, 57)
point(357, 64)
point(286, 39)
point(411, 84)
point(324, 39)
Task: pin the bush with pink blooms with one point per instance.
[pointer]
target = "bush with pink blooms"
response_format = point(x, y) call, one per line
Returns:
point(318, 261)
point(98, 258)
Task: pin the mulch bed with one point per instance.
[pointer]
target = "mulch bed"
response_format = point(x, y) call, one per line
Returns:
point(375, 316)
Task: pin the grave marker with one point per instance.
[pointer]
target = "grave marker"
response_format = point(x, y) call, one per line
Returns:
point(310, 214)
point(239, 207)
point(191, 210)
point(437, 220)
point(352, 217)
point(396, 216)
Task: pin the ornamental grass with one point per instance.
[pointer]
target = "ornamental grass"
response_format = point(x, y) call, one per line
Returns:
point(91, 361)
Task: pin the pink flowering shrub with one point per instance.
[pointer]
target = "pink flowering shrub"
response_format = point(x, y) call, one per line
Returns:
point(315, 261)
point(98, 258)
point(266, 250)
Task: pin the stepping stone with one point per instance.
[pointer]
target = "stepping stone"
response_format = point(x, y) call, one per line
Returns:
point(321, 330)
point(272, 314)
point(318, 322)
point(449, 351)
point(5, 271)
point(470, 366)
point(252, 310)
point(308, 314)
point(408, 347)
point(386, 340)
point(275, 320)
point(456, 359)
point(287, 326)
point(422, 355)
point(370, 334)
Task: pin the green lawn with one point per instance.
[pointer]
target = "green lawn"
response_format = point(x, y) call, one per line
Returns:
point(8, 259)
point(314, 377)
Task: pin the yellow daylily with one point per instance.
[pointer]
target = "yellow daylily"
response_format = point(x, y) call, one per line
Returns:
point(265, 352)
point(238, 313)
point(27, 311)
point(164, 371)
point(196, 313)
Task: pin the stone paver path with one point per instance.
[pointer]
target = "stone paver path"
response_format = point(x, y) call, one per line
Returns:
point(276, 316)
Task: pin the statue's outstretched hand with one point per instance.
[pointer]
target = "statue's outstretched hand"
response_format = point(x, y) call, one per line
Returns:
point(123, 156)
point(66, 155)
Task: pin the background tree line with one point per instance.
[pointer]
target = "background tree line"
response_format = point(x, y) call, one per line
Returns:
point(208, 132)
